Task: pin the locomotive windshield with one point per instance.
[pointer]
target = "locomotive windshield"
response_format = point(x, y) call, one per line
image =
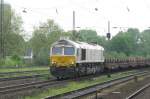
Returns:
point(57, 51)
point(69, 51)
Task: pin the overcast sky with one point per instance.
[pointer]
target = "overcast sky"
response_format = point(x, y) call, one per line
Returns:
point(120, 13)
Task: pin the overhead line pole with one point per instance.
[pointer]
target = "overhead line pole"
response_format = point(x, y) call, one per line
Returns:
point(108, 26)
point(73, 20)
point(108, 34)
point(73, 26)
point(1, 30)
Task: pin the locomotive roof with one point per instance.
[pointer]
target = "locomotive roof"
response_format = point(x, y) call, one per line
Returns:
point(79, 44)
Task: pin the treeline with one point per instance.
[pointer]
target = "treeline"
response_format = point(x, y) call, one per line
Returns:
point(11, 37)
point(131, 43)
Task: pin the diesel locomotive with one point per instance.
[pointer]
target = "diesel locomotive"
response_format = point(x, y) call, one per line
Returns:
point(73, 58)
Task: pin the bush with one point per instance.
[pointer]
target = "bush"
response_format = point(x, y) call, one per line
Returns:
point(11, 61)
point(41, 57)
point(2, 62)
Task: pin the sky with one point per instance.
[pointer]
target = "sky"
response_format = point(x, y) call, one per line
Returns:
point(121, 13)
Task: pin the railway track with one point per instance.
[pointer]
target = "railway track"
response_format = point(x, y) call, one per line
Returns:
point(96, 88)
point(18, 72)
point(40, 84)
point(138, 92)
point(22, 77)
point(20, 87)
point(19, 75)
point(22, 74)
point(33, 85)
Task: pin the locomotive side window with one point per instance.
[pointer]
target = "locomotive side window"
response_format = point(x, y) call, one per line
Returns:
point(69, 51)
point(83, 54)
point(77, 52)
point(57, 51)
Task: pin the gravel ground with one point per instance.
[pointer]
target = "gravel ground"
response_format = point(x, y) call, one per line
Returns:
point(124, 90)
point(144, 95)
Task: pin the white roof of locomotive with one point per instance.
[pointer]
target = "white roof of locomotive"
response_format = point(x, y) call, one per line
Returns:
point(84, 45)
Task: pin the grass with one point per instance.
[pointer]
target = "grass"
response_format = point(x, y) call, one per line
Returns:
point(74, 85)
point(3, 70)
point(36, 70)
point(24, 74)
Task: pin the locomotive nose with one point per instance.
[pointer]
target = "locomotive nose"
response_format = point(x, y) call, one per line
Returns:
point(63, 60)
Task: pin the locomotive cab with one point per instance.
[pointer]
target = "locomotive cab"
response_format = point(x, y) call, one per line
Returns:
point(63, 59)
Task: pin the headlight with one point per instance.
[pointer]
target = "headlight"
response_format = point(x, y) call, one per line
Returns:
point(53, 62)
point(72, 63)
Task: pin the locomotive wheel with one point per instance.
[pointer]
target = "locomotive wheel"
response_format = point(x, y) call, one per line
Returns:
point(58, 78)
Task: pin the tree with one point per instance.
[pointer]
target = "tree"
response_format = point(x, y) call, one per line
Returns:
point(12, 28)
point(87, 35)
point(126, 42)
point(145, 43)
point(43, 37)
point(90, 36)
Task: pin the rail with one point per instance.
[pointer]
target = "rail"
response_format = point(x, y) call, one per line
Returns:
point(22, 77)
point(95, 88)
point(37, 84)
